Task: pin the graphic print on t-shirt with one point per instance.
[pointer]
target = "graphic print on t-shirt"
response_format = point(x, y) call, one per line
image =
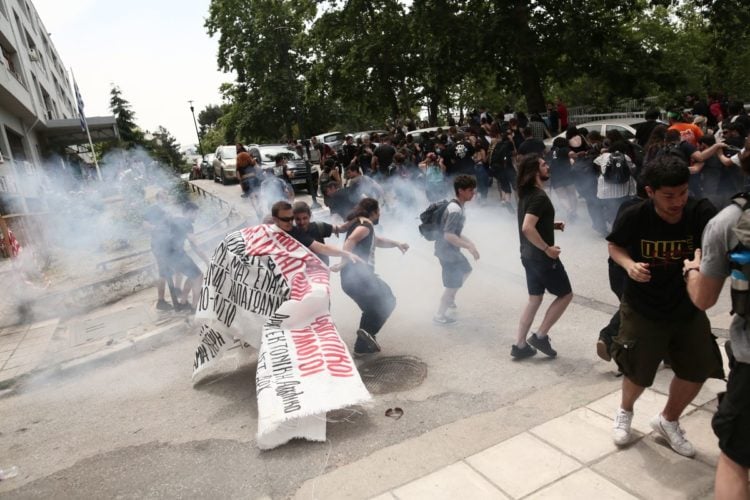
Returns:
point(667, 252)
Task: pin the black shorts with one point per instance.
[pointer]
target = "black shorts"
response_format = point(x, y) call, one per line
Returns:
point(642, 343)
point(455, 270)
point(183, 264)
point(506, 178)
point(547, 274)
point(731, 423)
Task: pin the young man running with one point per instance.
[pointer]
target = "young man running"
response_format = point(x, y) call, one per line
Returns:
point(540, 258)
point(456, 267)
point(650, 241)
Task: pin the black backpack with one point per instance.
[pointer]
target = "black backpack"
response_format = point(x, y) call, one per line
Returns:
point(431, 227)
point(617, 170)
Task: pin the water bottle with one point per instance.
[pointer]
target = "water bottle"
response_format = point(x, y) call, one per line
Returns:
point(740, 287)
point(8, 473)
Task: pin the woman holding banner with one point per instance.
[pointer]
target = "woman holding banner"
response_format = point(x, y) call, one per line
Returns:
point(359, 281)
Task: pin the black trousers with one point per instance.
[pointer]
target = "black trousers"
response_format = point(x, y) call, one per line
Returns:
point(373, 296)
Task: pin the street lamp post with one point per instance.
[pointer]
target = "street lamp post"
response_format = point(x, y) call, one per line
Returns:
point(200, 146)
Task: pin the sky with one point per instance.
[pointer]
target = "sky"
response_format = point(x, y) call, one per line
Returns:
point(157, 51)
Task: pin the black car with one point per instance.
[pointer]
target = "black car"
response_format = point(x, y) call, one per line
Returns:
point(297, 167)
point(207, 166)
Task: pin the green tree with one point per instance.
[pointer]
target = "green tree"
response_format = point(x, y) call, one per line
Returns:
point(260, 41)
point(164, 148)
point(130, 134)
point(209, 117)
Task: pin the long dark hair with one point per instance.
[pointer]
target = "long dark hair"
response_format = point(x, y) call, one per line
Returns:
point(527, 170)
point(365, 208)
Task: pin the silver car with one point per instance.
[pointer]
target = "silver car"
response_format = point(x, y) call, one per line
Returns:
point(225, 164)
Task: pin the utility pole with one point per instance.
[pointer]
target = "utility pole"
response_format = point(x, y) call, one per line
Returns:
point(200, 146)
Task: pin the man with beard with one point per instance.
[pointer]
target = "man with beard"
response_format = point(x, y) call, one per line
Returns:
point(540, 258)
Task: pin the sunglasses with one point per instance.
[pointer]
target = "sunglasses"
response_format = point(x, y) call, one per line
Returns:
point(285, 219)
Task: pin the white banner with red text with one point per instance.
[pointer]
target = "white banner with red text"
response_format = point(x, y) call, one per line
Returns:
point(265, 289)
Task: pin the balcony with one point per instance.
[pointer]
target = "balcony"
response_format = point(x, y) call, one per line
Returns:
point(14, 95)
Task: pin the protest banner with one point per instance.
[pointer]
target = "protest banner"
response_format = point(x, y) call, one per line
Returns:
point(265, 289)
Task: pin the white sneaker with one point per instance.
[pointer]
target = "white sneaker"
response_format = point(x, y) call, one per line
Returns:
point(674, 435)
point(621, 428)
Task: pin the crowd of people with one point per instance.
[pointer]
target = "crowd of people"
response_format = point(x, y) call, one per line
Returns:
point(655, 200)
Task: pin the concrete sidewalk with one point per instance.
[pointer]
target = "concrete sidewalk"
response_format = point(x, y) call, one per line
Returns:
point(562, 452)
point(118, 329)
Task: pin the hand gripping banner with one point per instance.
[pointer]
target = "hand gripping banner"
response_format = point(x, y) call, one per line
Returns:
point(265, 289)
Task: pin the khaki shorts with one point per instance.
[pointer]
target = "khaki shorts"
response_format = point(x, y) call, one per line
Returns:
point(687, 342)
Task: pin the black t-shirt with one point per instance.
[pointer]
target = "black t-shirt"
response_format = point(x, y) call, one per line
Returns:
point(179, 228)
point(554, 122)
point(319, 231)
point(531, 146)
point(384, 153)
point(341, 202)
point(644, 132)
point(664, 246)
point(711, 175)
point(301, 236)
point(159, 220)
point(536, 202)
point(365, 248)
point(462, 156)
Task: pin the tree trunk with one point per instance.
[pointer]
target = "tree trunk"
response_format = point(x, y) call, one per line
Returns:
point(525, 58)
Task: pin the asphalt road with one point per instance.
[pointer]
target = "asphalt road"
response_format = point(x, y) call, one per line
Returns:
point(139, 428)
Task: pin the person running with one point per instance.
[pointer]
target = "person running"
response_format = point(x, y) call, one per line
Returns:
point(540, 258)
point(657, 318)
point(318, 231)
point(282, 215)
point(181, 229)
point(456, 267)
point(359, 281)
point(731, 423)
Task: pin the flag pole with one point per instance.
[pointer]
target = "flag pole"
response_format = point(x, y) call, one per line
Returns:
point(85, 124)
point(93, 153)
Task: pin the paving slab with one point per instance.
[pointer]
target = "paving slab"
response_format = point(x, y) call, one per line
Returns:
point(653, 470)
point(649, 404)
point(697, 427)
point(584, 483)
point(583, 433)
point(454, 481)
point(522, 464)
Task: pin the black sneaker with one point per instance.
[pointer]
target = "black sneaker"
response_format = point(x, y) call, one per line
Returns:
point(522, 352)
point(542, 344)
point(186, 307)
point(369, 340)
point(163, 305)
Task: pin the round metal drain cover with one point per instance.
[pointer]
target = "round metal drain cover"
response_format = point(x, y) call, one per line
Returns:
point(392, 374)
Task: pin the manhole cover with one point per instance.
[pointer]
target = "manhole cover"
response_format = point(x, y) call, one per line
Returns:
point(392, 374)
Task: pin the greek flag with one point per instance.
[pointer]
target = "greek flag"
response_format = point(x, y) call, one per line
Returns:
point(79, 102)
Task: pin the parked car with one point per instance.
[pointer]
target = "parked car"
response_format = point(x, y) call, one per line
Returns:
point(626, 126)
point(421, 133)
point(225, 164)
point(266, 155)
point(207, 166)
point(358, 135)
point(333, 139)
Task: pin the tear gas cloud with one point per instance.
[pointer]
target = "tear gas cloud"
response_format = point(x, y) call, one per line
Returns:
point(75, 224)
